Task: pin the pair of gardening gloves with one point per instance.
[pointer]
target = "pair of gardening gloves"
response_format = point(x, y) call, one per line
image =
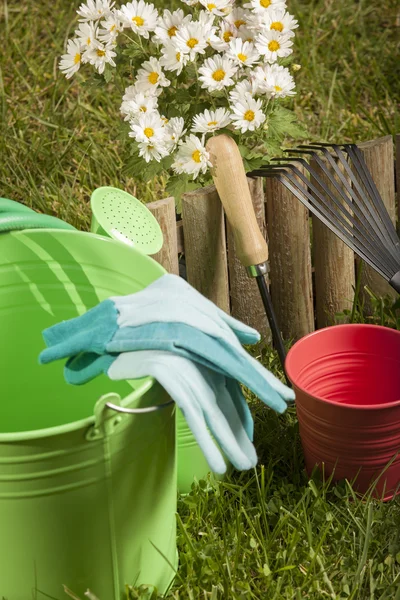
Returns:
point(171, 332)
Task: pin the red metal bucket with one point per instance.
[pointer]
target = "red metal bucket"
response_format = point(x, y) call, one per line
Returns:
point(347, 384)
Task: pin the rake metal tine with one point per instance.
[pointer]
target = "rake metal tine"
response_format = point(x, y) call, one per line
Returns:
point(350, 189)
point(357, 157)
point(338, 214)
point(354, 243)
point(380, 220)
point(367, 239)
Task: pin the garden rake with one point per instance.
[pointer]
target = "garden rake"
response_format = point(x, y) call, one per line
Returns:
point(345, 199)
point(251, 247)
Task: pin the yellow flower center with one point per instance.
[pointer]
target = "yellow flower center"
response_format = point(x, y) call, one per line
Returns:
point(172, 31)
point(212, 123)
point(143, 109)
point(153, 77)
point(196, 156)
point(211, 6)
point(139, 21)
point(249, 115)
point(239, 23)
point(100, 53)
point(178, 56)
point(273, 46)
point(277, 88)
point(88, 41)
point(113, 27)
point(242, 57)
point(227, 36)
point(192, 43)
point(265, 3)
point(277, 26)
point(77, 58)
point(148, 132)
point(218, 75)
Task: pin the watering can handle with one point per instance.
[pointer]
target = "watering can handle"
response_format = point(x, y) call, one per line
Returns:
point(135, 411)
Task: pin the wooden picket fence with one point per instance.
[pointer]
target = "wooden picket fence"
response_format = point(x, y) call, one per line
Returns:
point(312, 273)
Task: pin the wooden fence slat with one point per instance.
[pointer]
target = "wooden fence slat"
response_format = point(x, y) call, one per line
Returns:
point(290, 261)
point(378, 155)
point(246, 303)
point(164, 212)
point(205, 245)
point(334, 267)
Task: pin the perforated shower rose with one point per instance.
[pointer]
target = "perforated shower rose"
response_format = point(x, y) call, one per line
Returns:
point(207, 67)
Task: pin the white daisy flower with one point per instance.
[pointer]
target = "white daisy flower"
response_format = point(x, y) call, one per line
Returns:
point(247, 35)
point(190, 2)
point(241, 89)
point(95, 9)
point(192, 157)
point(242, 53)
point(169, 24)
point(133, 90)
point(151, 77)
point(71, 61)
point(275, 81)
point(148, 128)
point(261, 6)
point(211, 120)
point(217, 72)
point(173, 59)
point(247, 114)
point(174, 130)
point(100, 55)
point(86, 33)
point(153, 150)
point(219, 8)
point(192, 38)
point(275, 20)
point(141, 17)
point(238, 17)
point(140, 103)
point(111, 27)
point(274, 45)
point(223, 36)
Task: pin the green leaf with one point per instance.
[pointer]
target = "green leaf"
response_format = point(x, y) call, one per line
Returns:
point(282, 123)
point(178, 185)
point(133, 167)
point(108, 73)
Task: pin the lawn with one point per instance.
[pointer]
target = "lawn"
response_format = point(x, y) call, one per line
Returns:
point(272, 533)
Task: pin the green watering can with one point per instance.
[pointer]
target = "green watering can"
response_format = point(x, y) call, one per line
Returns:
point(87, 487)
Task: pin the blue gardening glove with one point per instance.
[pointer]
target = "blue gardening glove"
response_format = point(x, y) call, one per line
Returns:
point(220, 354)
point(203, 397)
point(169, 299)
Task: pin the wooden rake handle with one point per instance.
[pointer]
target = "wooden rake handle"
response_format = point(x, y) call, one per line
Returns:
point(231, 183)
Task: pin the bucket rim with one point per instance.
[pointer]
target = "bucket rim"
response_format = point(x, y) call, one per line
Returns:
point(145, 386)
point(346, 405)
point(21, 436)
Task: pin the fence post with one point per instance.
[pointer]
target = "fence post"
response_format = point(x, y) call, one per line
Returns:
point(205, 245)
point(334, 267)
point(164, 212)
point(378, 155)
point(290, 260)
point(246, 303)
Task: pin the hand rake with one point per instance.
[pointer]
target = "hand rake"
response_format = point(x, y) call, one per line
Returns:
point(345, 199)
point(251, 247)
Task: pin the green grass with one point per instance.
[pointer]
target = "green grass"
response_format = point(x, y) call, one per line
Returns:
point(59, 140)
point(269, 534)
